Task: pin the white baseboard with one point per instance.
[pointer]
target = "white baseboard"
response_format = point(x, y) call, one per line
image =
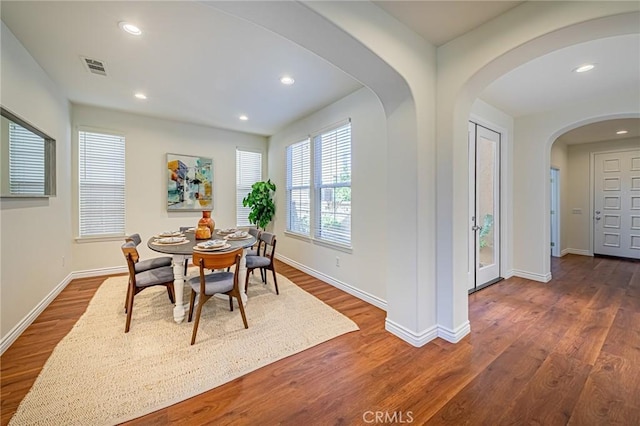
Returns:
point(575, 251)
point(363, 295)
point(415, 339)
point(454, 336)
point(533, 276)
point(16, 331)
point(508, 274)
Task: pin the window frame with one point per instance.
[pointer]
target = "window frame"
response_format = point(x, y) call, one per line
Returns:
point(318, 172)
point(315, 190)
point(105, 236)
point(290, 187)
point(239, 201)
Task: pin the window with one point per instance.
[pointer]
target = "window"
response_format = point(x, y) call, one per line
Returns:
point(332, 178)
point(26, 161)
point(101, 184)
point(248, 172)
point(298, 188)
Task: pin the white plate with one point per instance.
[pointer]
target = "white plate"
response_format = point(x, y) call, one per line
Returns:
point(170, 234)
point(224, 247)
point(238, 237)
point(170, 240)
point(227, 231)
point(212, 244)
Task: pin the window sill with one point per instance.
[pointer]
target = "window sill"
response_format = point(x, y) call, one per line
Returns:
point(335, 246)
point(297, 236)
point(99, 239)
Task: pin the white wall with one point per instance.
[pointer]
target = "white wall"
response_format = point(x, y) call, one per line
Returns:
point(578, 195)
point(148, 140)
point(362, 272)
point(466, 66)
point(534, 136)
point(35, 233)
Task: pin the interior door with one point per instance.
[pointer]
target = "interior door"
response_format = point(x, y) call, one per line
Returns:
point(616, 218)
point(485, 221)
point(555, 212)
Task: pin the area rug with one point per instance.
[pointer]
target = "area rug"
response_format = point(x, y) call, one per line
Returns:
point(98, 375)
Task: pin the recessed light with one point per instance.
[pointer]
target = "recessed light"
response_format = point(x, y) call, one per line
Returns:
point(130, 28)
point(140, 96)
point(622, 132)
point(584, 68)
point(287, 80)
point(243, 118)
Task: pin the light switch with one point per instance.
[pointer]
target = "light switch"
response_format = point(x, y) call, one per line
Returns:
point(576, 211)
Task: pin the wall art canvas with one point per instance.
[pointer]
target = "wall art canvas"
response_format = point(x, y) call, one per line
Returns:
point(189, 183)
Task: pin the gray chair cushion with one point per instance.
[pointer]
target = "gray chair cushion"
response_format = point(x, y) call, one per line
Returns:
point(257, 261)
point(154, 276)
point(216, 282)
point(251, 252)
point(156, 262)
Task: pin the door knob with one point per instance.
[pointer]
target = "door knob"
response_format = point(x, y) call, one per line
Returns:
point(597, 217)
point(476, 228)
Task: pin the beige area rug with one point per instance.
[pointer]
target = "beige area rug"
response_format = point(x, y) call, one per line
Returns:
point(98, 375)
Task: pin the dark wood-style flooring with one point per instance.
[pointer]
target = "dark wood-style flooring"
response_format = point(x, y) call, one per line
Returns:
point(565, 352)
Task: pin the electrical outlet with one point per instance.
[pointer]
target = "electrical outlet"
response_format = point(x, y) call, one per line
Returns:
point(337, 261)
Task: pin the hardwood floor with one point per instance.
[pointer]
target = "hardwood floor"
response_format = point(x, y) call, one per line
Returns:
point(565, 352)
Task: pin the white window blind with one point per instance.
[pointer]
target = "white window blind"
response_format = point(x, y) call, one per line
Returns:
point(26, 161)
point(298, 188)
point(102, 184)
point(248, 172)
point(332, 178)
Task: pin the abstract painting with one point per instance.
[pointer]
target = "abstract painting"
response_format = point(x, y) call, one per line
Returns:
point(189, 183)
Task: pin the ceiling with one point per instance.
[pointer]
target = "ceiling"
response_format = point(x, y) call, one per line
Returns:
point(602, 131)
point(441, 21)
point(199, 65)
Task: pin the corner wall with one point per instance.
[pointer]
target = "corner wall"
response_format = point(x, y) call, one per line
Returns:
point(35, 233)
point(148, 140)
point(361, 272)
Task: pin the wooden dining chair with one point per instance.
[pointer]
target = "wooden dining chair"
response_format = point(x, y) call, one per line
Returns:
point(140, 280)
point(264, 261)
point(144, 265)
point(205, 285)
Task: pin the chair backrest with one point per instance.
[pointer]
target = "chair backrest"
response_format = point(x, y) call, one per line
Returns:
point(135, 238)
point(255, 232)
point(218, 260)
point(184, 228)
point(131, 254)
point(268, 239)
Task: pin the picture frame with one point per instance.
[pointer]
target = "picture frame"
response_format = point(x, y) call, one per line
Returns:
point(189, 183)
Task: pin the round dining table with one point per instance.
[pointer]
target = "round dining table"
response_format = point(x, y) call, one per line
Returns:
point(184, 251)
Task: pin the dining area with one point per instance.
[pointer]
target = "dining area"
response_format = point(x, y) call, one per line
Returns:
point(221, 261)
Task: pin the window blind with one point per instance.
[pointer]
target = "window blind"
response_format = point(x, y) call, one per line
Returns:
point(248, 172)
point(298, 187)
point(26, 161)
point(101, 184)
point(332, 178)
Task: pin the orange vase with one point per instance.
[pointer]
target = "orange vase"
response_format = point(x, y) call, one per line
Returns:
point(207, 221)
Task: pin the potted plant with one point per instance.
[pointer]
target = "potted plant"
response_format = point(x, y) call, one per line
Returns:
point(261, 204)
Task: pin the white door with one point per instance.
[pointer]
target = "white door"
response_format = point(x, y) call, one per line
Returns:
point(555, 212)
point(485, 221)
point(617, 204)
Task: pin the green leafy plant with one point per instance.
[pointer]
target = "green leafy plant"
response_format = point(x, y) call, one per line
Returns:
point(260, 201)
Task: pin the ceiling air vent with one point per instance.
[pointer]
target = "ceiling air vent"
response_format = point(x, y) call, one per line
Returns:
point(94, 66)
